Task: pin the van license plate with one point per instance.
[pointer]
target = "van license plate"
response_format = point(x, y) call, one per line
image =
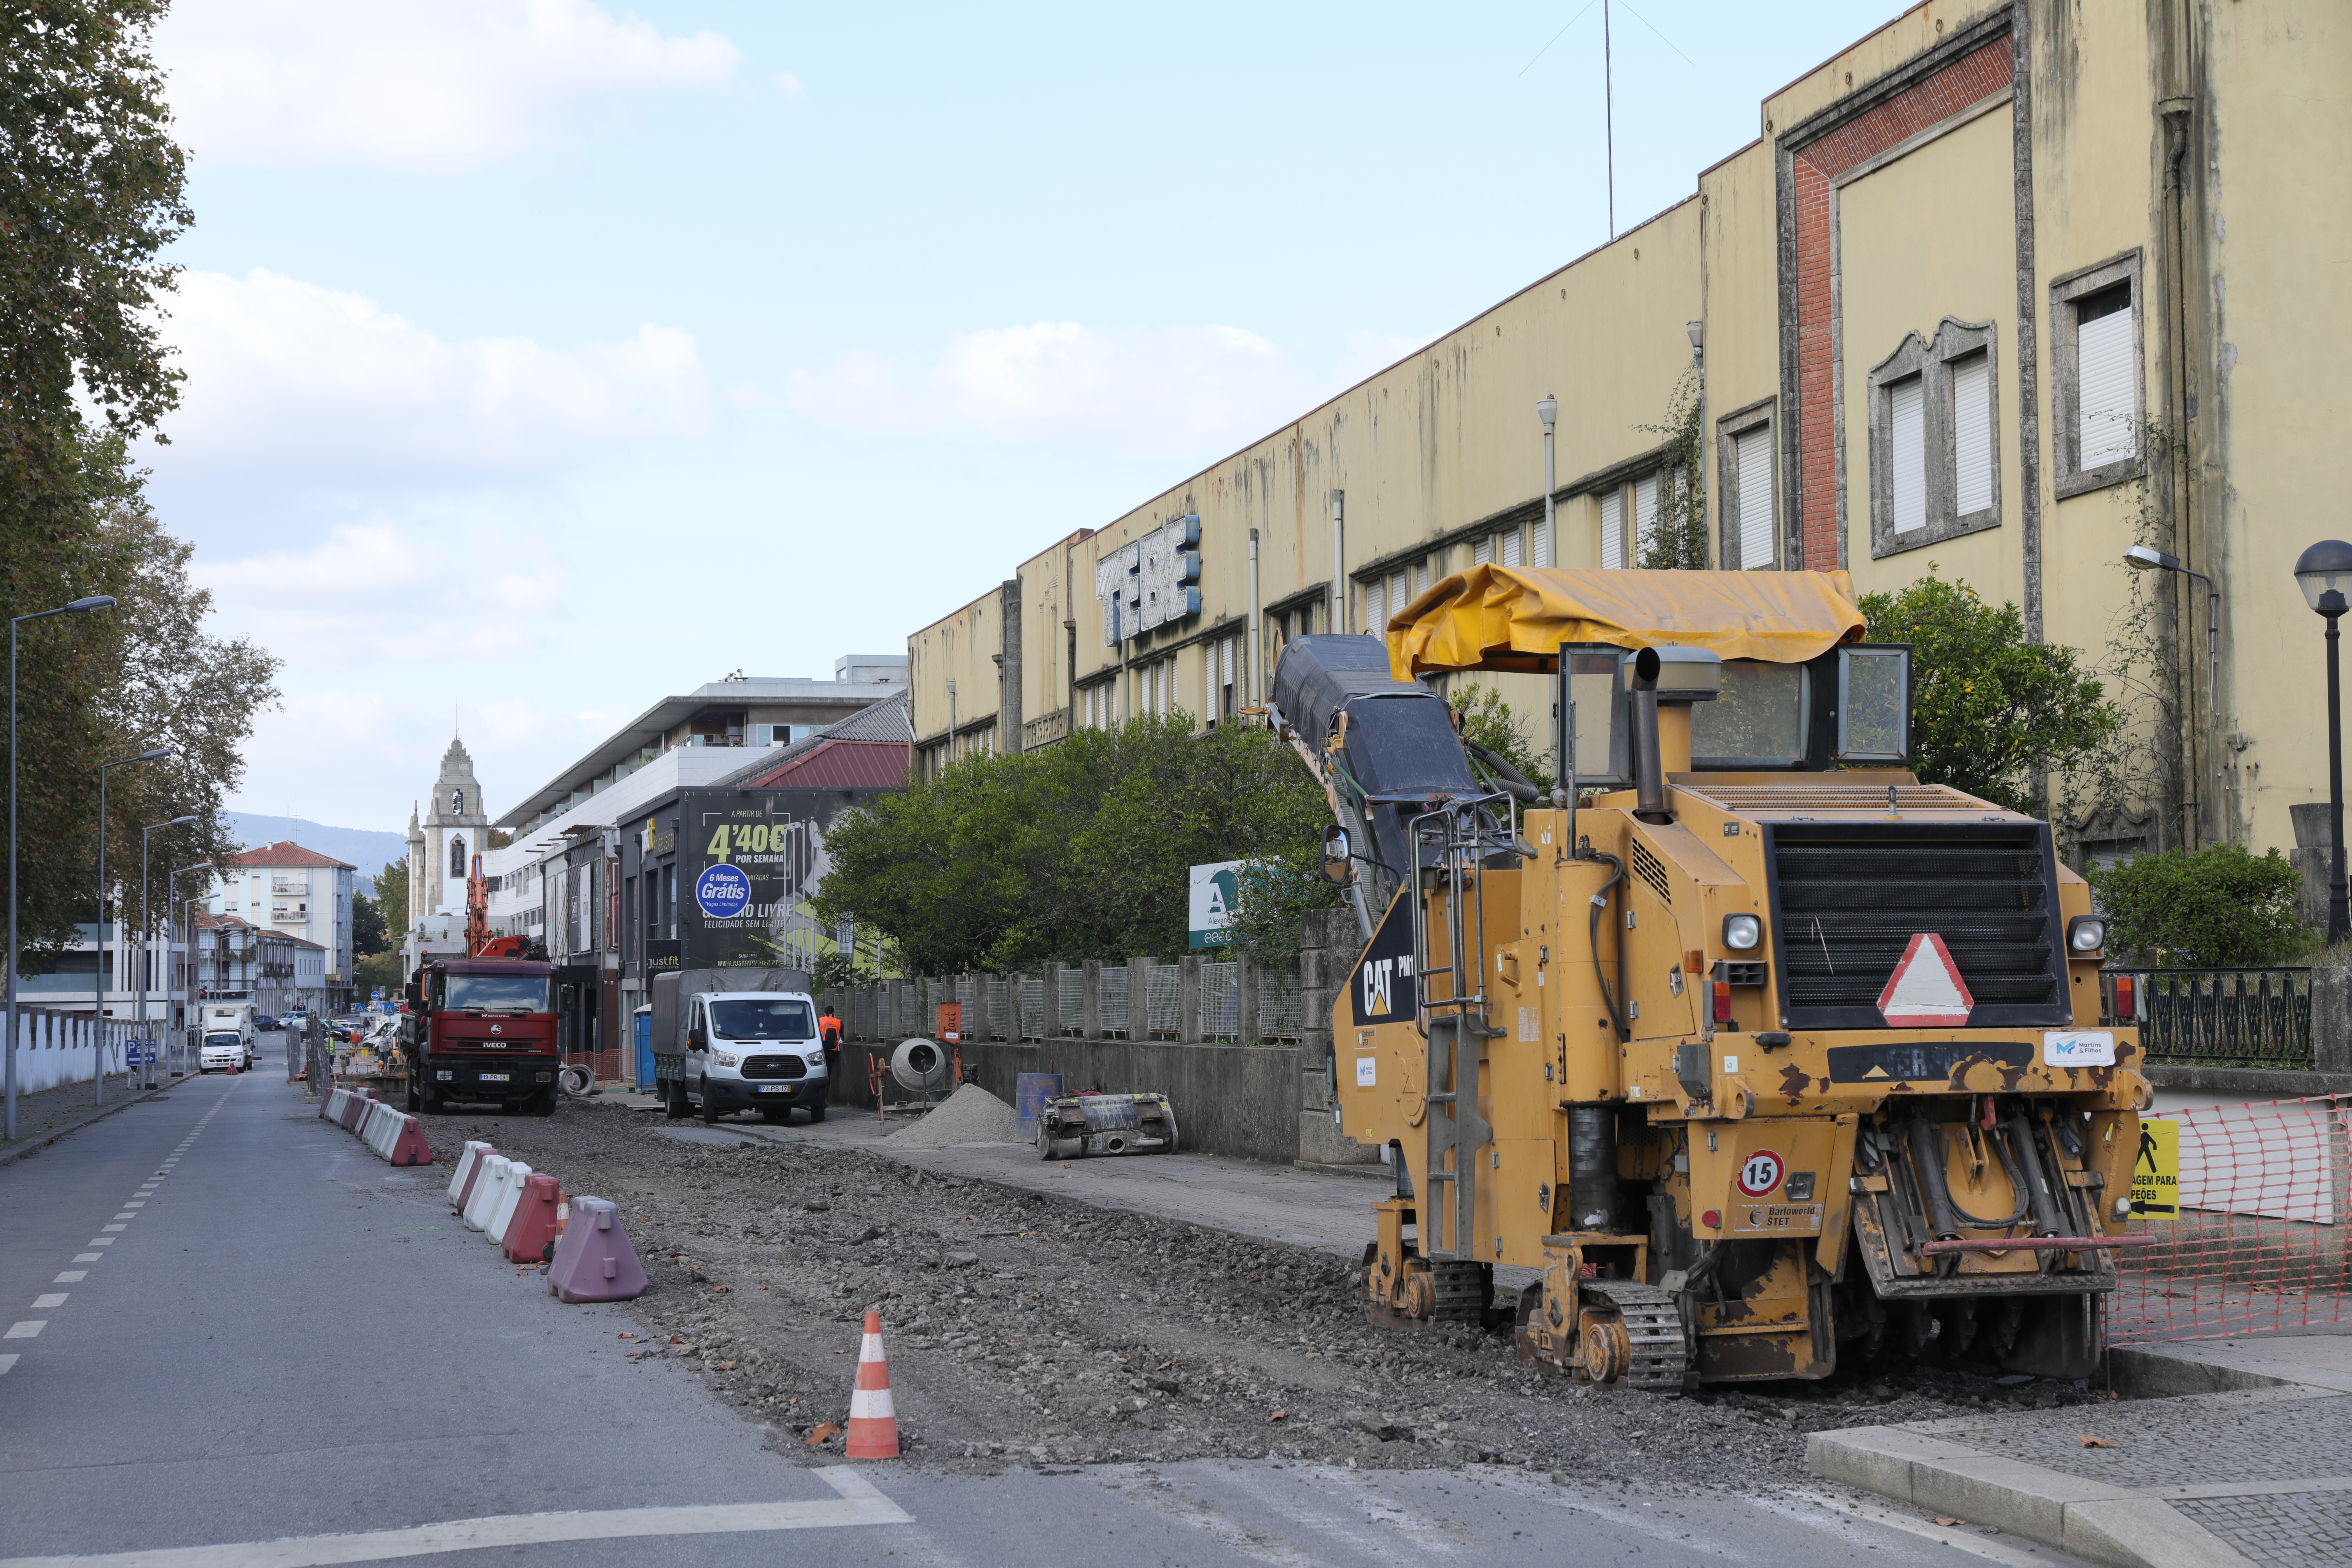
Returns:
point(776, 1089)
point(492, 1077)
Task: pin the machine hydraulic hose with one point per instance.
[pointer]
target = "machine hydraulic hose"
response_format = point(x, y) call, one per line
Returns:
point(1593, 936)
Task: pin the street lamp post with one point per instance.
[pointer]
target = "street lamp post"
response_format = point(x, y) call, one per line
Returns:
point(2323, 572)
point(79, 606)
point(146, 944)
point(97, 977)
point(171, 898)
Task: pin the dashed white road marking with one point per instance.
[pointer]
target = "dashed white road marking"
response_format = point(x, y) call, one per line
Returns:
point(54, 1298)
point(104, 1240)
point(110, 1228)
point(88, 1256)
point(857, 1502)
point(29, 1328)
point(7, 1361)
point(71, 1276)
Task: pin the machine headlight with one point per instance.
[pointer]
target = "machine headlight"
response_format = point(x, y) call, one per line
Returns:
point(1742, 933)
point(721, 1058)
point(2085, 934)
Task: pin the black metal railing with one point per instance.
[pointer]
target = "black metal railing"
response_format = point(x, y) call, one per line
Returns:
point(2216, 1018)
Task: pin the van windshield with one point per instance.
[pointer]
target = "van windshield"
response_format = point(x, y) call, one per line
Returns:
point(223, 1040)
point(773, 1019)
point(495, 993)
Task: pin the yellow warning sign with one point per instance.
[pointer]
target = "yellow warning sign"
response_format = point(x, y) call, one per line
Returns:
point(2155, 1171)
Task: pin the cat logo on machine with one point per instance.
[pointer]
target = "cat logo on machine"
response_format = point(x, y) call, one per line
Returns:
point(1383, 982)
point(1760, 1175)
point(1379, 977)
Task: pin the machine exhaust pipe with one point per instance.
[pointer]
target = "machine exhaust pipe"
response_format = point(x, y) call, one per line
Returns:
point(1649, 764)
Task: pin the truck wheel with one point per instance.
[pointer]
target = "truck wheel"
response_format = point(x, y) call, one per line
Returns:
point(434, 1103)
point(675, 1103)
point(415, 1100)
point(542, 1103)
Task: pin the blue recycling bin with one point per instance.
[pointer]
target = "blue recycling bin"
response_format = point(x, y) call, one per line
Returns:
point(645, 1073)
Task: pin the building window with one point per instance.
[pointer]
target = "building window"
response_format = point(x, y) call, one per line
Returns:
point(1935, 439)
point(457, 855)
point(1612, 531)
point(1482, 551)
point(2094, 354)
point(1539, 543)
point(1511, 551)
point(1646, 518)
point(1745, 456)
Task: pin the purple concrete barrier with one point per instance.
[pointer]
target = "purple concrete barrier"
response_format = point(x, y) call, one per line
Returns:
point(593, 1260)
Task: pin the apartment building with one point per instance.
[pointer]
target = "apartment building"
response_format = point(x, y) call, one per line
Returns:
point(1997, 291)
point(290, 891)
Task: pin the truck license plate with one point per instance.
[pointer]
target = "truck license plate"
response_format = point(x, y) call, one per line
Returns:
point(492, 1077)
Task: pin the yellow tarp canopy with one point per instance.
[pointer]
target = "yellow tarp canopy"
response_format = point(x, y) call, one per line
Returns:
point(1516, 617)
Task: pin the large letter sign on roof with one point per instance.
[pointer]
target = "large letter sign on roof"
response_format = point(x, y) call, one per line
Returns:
point(1926, 991)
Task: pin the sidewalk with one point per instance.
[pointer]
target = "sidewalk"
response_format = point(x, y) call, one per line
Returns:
point(1304, 1208)
point(2226, 1452)
point(42, 1119)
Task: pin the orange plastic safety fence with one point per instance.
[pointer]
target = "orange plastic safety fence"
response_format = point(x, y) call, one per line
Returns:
point(2259, 1240)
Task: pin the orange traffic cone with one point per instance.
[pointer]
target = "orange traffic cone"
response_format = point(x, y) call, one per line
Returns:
point(873, 1420)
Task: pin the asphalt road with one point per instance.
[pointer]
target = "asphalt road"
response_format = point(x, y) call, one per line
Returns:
point(232, 1338)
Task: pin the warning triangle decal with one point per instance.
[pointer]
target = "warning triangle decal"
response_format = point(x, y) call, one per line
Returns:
point(1926, 991)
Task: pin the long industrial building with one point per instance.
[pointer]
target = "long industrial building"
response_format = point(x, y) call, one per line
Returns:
point(1998, 291)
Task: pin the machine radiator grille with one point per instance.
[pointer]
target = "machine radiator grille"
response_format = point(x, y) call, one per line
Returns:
point(1849, 898)
point(1647, 867)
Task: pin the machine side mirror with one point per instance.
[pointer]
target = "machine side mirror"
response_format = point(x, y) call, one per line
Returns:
point(1338, 866)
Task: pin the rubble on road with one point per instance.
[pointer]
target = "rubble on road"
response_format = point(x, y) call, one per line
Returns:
point(1026, 1329)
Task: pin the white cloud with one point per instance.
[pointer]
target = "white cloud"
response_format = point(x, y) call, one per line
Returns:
point(1171, 389)
point(289, 380)
point(411, 83)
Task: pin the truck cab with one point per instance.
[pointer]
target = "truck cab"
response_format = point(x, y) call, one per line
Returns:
point(719, 1052)
point(480, 1029)
point(224, 1038)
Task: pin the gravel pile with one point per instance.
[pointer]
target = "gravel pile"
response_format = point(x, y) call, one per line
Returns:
point(969, 1115)
point(1028, 1330)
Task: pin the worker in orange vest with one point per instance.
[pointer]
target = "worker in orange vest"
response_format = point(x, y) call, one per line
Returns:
point(828, 1029)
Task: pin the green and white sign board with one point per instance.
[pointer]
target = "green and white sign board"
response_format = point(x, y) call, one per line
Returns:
point(1215, 889)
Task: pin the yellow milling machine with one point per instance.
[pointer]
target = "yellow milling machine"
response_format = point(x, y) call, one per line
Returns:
point(1765, 1053)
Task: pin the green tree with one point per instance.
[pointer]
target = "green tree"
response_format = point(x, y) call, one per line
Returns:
point(1078, 851)
point(391, 898)
point(379, 969)
point(1486, 719)
point(1991, 712)
point(2202, 908)
point(368, 933)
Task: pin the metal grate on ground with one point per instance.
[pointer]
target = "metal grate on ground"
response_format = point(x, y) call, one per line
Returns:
point(2260, 1239)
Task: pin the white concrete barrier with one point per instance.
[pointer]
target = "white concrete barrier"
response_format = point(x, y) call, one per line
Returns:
point(467, 1158)
point(485, 1191)
point(511, 1187)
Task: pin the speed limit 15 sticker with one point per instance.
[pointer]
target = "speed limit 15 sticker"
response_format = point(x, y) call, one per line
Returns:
point(1760, 1174)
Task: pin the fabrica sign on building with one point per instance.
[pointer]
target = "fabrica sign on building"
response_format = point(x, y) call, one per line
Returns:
point(722, 892)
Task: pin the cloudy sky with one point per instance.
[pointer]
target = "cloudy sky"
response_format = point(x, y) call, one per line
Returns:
point(545, 358)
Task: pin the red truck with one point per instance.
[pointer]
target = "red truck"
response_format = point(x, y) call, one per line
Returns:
point(481, 1029)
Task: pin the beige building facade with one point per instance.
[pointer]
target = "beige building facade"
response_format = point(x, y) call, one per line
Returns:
point(1998, 291)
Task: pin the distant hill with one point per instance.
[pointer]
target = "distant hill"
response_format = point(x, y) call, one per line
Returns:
point(369, 851)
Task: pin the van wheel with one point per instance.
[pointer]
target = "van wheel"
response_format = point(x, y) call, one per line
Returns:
point(709, 1107)
point(817, 1112)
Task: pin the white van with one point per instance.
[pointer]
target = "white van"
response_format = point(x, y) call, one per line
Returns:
point(748, 1050)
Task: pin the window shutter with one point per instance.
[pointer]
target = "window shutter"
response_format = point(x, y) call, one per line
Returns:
point(1420, 578)
point(1645, 517)
point(1751, 456)
point(1376, 596)
point(1907, 452)
point(1483, 551)
point(1612, 531)
point(1400, 594)
point(1539, 545)
point(1511, 548)
point(1973, 437)
point(2103, 393)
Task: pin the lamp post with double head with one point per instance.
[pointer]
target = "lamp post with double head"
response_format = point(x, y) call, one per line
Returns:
point(98, 1006)
point(172, 902)
point(146, 945)
point(78, 608)
point(2323, 572)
